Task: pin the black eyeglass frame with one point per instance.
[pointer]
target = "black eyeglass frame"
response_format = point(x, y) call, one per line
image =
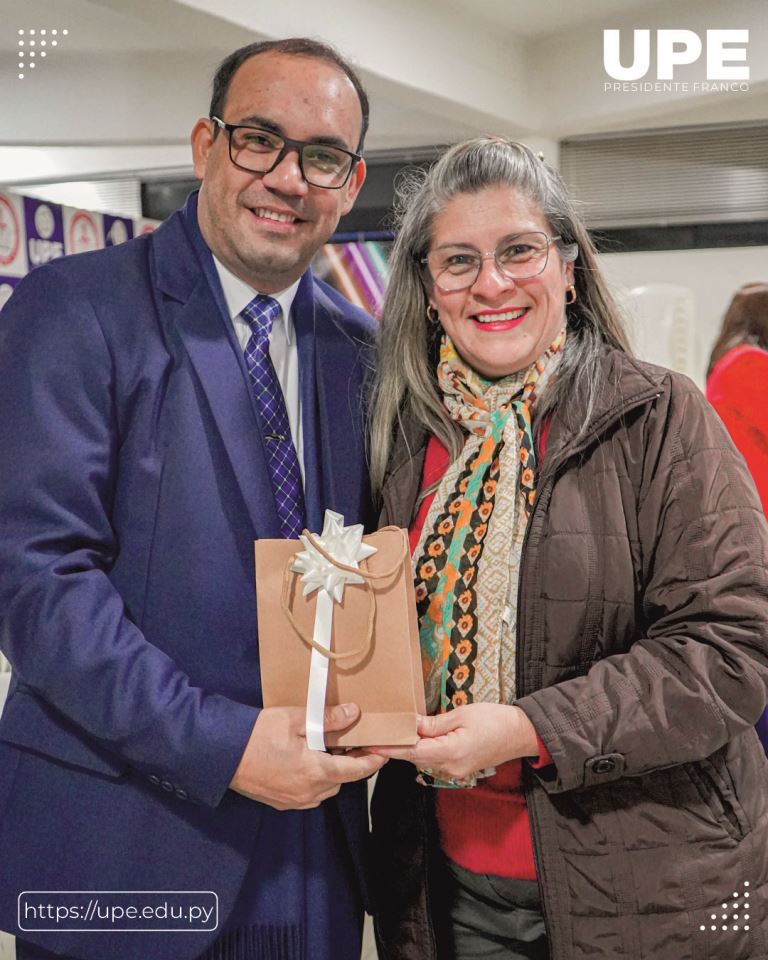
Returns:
point(288, 144)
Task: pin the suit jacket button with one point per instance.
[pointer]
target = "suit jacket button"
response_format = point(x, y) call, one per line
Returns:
point(181, 794)
point(153, 779)
point(167, 785)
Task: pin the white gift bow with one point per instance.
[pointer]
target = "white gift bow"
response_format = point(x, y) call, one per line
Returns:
point(345, 545)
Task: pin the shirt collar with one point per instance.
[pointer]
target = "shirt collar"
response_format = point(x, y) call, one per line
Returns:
point(239, 294)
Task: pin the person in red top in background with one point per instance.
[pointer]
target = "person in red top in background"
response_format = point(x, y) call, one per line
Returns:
point(591, 575)
point(737, 387)
point(737, 379)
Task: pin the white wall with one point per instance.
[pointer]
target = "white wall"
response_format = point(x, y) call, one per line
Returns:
point(570, 77)
point(713, 275)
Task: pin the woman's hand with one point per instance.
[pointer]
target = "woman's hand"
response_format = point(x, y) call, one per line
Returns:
point(468, 739)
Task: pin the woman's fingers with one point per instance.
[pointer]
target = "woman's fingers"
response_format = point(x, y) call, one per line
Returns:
point(473, 737)
point(425, 752)
point(441, 724)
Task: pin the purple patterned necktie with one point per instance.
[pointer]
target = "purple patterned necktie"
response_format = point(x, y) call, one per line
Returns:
point(281, 454)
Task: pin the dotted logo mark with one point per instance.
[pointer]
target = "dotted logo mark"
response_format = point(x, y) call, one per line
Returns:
point(738, 920)
point(34, 45)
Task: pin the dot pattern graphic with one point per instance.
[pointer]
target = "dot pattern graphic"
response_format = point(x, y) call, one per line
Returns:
point(740, 919)
point(27, 44)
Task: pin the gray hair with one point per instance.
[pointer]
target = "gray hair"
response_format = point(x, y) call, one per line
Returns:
point(405, 385)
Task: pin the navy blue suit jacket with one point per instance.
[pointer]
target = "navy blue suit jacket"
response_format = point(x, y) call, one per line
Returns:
point(133, 482)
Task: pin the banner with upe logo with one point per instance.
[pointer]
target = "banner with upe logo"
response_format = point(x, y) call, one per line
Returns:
point(34, 232)
point(45, 231)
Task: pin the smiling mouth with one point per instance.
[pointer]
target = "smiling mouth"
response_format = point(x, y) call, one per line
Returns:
point(265, 213)
point(501, 316)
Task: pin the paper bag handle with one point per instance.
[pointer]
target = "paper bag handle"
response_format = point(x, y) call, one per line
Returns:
point(368, 578)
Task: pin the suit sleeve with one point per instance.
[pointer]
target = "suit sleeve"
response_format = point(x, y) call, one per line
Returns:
point(63, 626)
point(697, 676)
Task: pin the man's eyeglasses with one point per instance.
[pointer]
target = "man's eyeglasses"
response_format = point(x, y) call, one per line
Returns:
point(518, 258)
point(260, 151)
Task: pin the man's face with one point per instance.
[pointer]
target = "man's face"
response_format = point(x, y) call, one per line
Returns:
point(298, 97)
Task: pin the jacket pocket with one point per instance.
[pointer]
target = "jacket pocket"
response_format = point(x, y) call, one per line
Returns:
point(716, 791)
point(30, 724)
point(722, 772)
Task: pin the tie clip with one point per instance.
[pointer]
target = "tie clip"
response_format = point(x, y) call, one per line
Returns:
point(273, 436)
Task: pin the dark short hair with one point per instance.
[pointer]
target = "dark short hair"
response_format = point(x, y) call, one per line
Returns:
point(745, 322)
point(296, 46)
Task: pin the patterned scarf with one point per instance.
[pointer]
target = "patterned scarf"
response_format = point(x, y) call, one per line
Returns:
point(467, 571)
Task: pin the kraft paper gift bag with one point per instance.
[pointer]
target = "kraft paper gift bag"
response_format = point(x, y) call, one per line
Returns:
point(337, 624)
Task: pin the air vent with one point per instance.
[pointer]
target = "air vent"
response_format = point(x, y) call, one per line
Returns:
point(121, 198)
point(713, 174)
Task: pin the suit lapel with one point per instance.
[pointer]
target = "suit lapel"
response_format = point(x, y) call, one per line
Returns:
point(303, 316)
point(341, 413)
point(209, 339)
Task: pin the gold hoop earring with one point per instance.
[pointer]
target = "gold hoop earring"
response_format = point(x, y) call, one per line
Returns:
point(433, 317)
point(574, 296)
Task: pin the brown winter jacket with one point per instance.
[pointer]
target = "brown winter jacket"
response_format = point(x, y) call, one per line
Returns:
point(642, 661)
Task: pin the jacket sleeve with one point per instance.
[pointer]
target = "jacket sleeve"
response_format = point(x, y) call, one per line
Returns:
point(63, 626)
point(697, 676)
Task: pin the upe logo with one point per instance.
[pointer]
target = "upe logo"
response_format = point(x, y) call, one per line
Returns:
point(677, 48)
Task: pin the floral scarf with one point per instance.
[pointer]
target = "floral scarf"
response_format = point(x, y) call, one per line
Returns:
point(467, 560)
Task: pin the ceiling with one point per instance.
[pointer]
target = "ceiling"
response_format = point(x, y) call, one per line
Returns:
point(122, 90)
point(556, 16)
point(115, 26)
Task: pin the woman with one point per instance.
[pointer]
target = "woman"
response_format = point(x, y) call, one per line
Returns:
point(590, 566)
point(737, 387)
point(737, 379)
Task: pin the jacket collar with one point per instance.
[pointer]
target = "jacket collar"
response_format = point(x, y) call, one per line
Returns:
point(625, 384)
point(339, 375)
point(180, 254)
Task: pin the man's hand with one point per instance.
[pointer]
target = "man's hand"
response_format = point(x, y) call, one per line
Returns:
point(468, 739)
point(277, 767)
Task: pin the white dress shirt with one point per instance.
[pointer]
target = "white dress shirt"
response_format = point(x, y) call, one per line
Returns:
point(282, 344)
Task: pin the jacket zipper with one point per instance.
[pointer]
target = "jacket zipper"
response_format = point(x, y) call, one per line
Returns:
point(527, 792)
point(388, 505)
point(563, 458)
point(425, 840)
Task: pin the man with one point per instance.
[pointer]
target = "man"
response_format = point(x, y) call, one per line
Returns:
point(162, 404)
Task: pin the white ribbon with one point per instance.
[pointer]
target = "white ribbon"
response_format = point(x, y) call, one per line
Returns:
point(345, 545)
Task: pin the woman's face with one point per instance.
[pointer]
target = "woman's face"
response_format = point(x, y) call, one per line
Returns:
point(498, 325)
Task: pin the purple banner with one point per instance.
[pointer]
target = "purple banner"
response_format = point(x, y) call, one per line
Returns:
point(45, 231)
point(117, 230)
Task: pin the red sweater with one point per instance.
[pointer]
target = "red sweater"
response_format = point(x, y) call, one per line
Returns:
point(738, 389)
point(484, 828)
